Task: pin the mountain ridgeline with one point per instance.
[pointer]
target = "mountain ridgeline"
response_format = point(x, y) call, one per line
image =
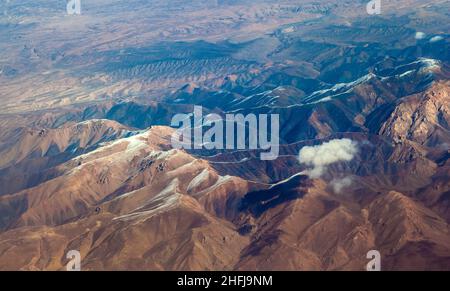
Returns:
point(87, 161)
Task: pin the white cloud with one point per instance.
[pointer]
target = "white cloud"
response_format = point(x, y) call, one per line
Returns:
point(420, 35)
point(319, 157)
point(340, 184)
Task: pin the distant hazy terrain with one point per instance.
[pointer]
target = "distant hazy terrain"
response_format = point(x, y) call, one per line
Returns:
point(143, 49)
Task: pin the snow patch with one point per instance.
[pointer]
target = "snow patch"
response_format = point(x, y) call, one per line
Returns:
point(136, 143)
point(290, 29)
point(420, 35)
point(92, 121)
point(436, 38)
point(167, 199)
point(288, 179)
point(406, 73)
point(198, 180)
point(222, 180)
point(338, 89)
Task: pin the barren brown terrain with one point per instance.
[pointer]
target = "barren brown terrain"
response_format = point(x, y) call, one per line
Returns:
point(87, 162)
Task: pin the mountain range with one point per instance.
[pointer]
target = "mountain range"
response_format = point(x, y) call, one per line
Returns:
point(87, 162)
